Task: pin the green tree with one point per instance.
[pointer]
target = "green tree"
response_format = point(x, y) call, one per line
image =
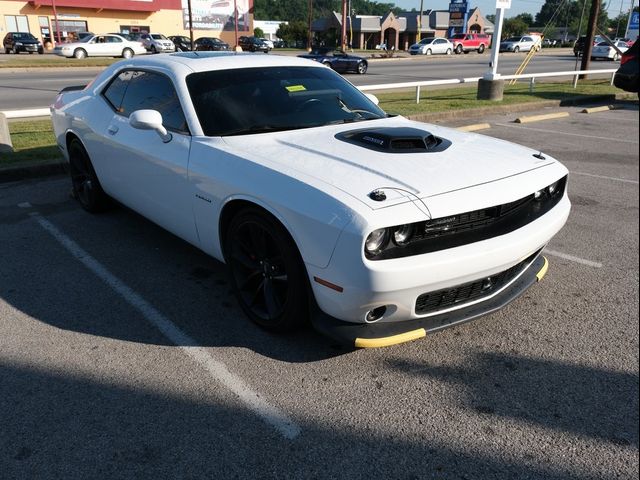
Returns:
point(513, 27)
point(527, 18)
point(295, 31)
point(258, 32)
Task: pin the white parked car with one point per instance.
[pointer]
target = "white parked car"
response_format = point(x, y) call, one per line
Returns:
point(604, 51)
point(521, 44)
point(316, 200)
point(428, 46)
point(157, 43)
point(110, 45)
point(268, 42)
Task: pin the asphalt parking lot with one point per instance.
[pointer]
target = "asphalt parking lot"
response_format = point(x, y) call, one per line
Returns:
point(124, 356)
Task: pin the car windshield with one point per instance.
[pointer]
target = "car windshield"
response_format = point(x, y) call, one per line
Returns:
point(426, 40)
point(23, 36)
point(158, 36)
point(513, 39)
point(459, 36)
point(259, 100)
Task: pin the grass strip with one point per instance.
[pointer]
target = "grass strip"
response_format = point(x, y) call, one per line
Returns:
point(33, 142)
point(46, 61)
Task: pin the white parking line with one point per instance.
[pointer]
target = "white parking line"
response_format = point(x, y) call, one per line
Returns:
point(188, 345)
point(625, 180)
point(618, 140)
point(566, 256)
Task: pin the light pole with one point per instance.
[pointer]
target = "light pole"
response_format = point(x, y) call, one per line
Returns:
point(190, 24)
point(235, 14)
point(420, 22)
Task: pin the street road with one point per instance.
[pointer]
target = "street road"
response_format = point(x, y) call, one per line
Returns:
point(547, 388)
point(34, 89)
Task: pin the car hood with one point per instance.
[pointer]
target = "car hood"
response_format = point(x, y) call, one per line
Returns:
point(319, 153)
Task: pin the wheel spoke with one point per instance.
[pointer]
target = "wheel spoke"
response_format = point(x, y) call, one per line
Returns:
point(271, 301)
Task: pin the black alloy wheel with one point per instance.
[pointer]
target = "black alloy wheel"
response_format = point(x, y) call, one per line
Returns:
point(84, 181)
point(266, 271)
point(362, 68)
point(459, 49)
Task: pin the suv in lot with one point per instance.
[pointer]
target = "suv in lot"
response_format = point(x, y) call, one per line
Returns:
point(16, 42)
point(465, 42)
point(253, 44)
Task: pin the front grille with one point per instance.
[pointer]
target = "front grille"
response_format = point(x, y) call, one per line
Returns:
point(468, 292)
point(474, 226)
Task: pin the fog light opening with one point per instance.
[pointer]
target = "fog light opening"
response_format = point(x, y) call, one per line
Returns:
point(376, 314)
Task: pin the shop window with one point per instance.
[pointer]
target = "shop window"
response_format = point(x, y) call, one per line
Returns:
point(16, 23)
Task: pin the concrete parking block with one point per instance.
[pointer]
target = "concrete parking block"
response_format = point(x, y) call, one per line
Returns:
point(474, 127)
point(5, 138)
point(538, 118)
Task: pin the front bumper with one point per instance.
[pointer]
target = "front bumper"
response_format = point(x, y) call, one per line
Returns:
point(372, 335)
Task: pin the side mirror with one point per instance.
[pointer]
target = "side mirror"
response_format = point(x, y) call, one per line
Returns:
point(372, 97)
point(150, 120)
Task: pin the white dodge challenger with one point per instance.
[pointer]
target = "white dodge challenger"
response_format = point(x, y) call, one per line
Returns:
point(323, 207)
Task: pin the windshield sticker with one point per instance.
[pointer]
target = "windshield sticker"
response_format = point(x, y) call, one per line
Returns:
point(295, 88)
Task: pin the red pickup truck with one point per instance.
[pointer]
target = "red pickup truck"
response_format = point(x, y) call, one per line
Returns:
point(465, 42)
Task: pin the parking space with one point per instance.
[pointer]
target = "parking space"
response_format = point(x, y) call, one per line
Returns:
point(123, 354)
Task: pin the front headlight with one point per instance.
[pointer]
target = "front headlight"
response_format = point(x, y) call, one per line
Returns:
point(18, 44)
point(402, 234)
point(376, 241)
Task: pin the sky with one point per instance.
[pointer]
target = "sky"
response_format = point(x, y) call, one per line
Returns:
point(517, 6)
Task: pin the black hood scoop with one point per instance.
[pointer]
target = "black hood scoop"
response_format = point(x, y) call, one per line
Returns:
point(395, 140)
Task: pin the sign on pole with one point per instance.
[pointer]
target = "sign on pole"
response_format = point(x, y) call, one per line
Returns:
point(503, 3)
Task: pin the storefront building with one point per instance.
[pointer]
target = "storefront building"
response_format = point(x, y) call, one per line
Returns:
point(55, 20)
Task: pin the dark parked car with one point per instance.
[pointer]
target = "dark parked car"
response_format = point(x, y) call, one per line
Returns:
point(16, 42)
point(253, 44)
point(182, 43)
point(339, 61)
point(211, 44)
point(627, 75)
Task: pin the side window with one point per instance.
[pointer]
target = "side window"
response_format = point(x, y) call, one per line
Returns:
point(148, 90)
point(111, 39)
point(114, 93)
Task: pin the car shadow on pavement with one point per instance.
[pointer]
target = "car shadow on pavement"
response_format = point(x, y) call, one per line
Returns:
point(57, 423)
point(579, 399)
point(188, 287)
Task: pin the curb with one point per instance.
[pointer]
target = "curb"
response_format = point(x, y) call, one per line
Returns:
point(42, 169)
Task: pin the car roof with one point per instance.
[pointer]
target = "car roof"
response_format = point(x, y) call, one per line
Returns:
point(205, 61)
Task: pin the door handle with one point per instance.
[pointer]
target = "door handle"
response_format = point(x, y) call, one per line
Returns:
point(112, 129)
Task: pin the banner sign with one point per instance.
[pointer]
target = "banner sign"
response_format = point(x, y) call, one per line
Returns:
point(216, 14)
point(503, 3)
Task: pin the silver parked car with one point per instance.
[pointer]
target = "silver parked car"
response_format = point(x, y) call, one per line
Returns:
point(157, 43)
point(428, 46)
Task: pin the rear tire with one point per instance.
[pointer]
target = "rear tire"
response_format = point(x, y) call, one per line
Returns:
point(85, 185)
point(127, 53)
point(362, 68)
point(266, 272)
point(458, 49)
point(481, 48)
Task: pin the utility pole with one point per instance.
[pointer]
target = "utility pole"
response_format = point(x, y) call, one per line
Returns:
point(591, 32)
point(55, 19)
point(190, 24)
point(343, 39)
point(309, 32)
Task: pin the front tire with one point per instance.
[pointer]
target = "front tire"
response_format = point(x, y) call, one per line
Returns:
point(79, 53)
point(362, 68)
point(458, 49)
point(85, 185)
point(449, 51)
point(481, 48)
point(428, 52)
point(516, 50)
point(266, 272)
point(616, 57)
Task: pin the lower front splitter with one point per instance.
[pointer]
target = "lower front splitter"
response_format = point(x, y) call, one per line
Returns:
point(371, 335)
